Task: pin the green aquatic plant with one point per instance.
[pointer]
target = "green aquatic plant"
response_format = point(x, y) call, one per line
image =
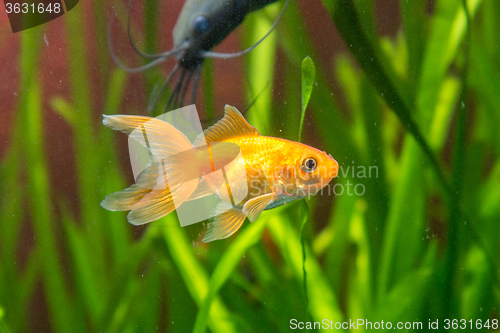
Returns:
point(308, 76)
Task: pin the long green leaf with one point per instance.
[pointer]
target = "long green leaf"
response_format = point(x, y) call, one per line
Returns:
point(345, 17)
point(322, 301)
point(3, 326)
point(38, 191)
point(308, 76)
point(260, 69)
point(226, 266)
point(194, 276)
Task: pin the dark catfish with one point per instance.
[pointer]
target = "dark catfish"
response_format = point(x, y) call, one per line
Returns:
point(201, 25)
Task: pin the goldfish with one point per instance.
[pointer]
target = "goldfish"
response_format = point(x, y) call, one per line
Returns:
point(276, 171)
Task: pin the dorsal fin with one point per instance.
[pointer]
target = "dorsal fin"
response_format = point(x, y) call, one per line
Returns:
point(232, 125)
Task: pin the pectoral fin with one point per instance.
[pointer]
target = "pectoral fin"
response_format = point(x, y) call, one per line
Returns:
point(255, 206)
point(227, 221)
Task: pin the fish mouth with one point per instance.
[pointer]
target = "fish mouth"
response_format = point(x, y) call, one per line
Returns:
point(334, 171)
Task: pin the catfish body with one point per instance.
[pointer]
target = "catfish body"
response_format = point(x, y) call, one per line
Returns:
point(203, 24)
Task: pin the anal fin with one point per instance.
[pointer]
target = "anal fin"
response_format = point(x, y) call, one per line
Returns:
point(227, 221)
point(255, 206)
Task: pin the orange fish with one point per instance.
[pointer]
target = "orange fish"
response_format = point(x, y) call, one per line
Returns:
point(276, 171)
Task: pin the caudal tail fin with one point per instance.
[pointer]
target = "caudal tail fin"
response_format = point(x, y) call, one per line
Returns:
point(168, 179)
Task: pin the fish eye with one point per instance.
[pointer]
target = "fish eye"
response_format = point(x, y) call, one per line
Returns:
point(201, 25)
point(309, 164)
